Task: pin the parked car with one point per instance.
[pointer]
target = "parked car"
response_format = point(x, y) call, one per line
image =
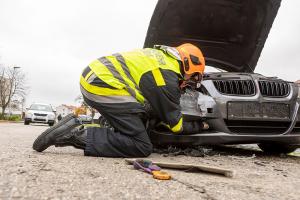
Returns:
point(40, 113)
point(86, 119)
point(239, 105)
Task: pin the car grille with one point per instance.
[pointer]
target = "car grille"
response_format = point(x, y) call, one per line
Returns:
point(259, 111)
point(258, 118)
point(257, 127)
point(41, 115)
point(242, 127)
point(235, 87)
point(274, 88)
point(40, 120)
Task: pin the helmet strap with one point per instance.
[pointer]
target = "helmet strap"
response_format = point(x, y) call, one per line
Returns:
point(186, 64)
point(182, 70)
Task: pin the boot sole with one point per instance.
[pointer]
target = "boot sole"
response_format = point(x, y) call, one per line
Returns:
point(39, 144)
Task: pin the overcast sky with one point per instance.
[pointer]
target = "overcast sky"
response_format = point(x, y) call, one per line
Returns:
point(53, 40)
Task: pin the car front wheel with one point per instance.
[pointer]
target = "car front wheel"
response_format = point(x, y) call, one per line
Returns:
point(277, 148)
point(51, 124)
point(26, 122)
point(104, 123)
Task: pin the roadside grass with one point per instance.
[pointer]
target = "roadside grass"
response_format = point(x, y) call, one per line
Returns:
point(91, 125)
point(14, 118)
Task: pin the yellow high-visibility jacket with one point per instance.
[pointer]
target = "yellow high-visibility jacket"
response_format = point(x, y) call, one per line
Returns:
point(136, 76)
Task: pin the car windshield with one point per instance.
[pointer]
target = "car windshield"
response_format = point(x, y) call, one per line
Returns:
point(41, 107)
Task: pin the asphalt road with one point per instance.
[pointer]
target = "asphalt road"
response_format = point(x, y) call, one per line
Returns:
point(64, 173)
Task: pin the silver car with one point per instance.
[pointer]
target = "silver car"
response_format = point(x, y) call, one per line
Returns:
point(239, 105)
point(40, 113)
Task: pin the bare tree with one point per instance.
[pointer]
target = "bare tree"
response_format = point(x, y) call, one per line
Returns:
point(12, 86)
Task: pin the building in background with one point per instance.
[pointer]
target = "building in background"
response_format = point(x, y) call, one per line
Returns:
point(83, 112)
point(64, 110)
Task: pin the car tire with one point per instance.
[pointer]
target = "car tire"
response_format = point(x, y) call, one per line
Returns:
point(26, 122)
point(277, 148)
point(51, 124)
point(104, 123)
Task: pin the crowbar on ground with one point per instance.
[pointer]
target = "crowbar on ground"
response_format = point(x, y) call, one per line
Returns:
point(190, 167)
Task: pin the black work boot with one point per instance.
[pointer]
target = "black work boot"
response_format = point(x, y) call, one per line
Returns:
point(76, 138)
point(63, 129)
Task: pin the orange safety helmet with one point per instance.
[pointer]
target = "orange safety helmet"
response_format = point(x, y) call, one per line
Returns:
point(192, 58)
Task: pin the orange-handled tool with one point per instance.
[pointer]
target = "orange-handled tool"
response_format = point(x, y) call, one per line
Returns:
point(148, 167)
point(161, 175)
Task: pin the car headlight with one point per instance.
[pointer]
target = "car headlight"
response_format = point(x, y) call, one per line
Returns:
point(28, 115)
point(51, 116)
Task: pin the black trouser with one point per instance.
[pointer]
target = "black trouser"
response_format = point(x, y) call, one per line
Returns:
point(129, 138)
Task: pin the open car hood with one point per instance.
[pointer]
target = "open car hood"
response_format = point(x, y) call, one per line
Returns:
point(230, 33)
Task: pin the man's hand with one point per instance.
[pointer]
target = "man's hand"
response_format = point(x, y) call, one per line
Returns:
point(194, 127)
point(182, 85)
point(191, 127)
point(191, 81)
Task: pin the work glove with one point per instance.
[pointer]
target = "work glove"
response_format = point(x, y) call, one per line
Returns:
point(191, 127)
point(163, 127)
point(194, 127)
point(188, 127)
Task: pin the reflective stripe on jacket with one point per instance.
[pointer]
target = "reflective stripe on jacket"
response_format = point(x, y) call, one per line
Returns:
point(116, 79)
point(122, 72)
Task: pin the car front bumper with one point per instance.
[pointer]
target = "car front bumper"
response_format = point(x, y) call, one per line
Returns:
point(220, 137)
point(44, 120)
point(214, 138)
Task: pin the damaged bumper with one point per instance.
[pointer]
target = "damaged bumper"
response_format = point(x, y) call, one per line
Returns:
point(218, 137)
point(160, 138)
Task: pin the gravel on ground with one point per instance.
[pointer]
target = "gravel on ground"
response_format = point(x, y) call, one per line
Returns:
point(64, 173)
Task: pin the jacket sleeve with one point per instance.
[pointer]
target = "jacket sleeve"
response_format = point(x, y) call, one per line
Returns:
point(161, 89)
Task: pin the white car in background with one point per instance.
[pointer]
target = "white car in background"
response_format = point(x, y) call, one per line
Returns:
point(86, 119)
point(40, 113)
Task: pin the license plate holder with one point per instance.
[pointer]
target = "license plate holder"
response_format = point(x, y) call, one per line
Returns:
point(255, 110)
